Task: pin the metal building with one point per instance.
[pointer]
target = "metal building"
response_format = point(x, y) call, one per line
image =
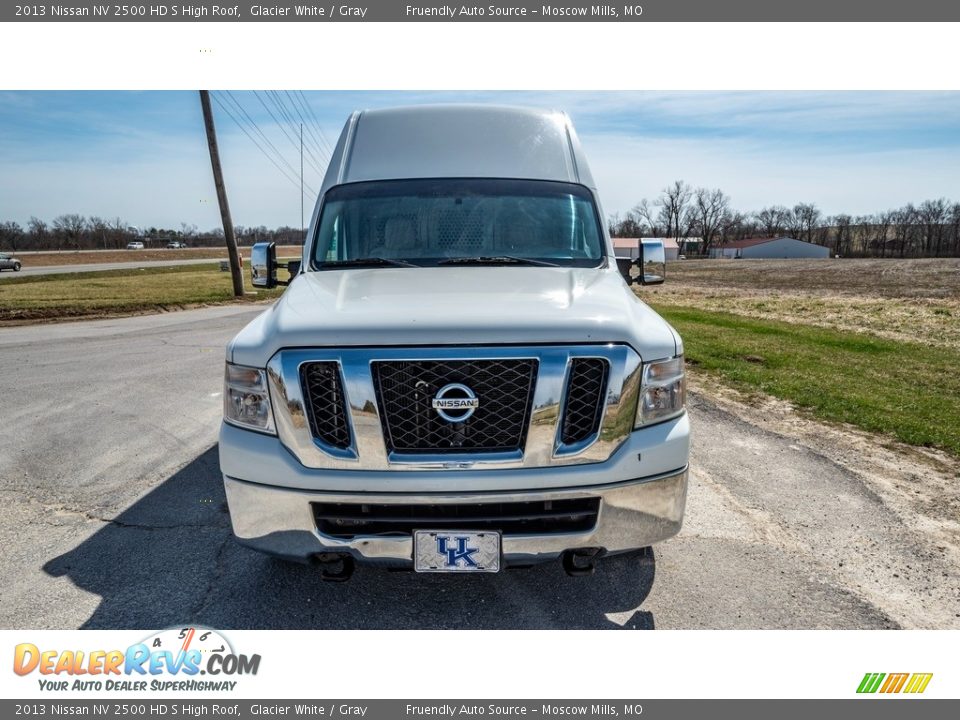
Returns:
point(779, 247)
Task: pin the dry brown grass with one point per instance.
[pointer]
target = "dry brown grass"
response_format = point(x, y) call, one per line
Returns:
point(928, 278)
point(908, 300)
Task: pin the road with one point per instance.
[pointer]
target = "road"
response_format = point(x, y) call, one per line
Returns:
point(115, 517)
point(97, 267)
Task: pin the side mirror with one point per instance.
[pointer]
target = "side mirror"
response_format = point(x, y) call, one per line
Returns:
point(293, 267)
point(263, 265)
point(624, 265)
point(653, 262)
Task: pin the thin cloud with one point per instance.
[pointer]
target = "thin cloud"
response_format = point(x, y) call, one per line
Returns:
point(142, 155)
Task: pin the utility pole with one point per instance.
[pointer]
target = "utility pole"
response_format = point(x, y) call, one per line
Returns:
point(232, 251)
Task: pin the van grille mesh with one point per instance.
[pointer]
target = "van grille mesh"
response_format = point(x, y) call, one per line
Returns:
point(325, 403)
point(405, 391)
point(586, 388)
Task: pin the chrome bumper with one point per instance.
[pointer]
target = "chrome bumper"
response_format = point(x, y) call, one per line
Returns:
point(633, 514)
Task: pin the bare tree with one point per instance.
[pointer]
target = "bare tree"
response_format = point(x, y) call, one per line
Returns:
point(10, 235)
point(933, 215)
point(97, 228)
point(673, 202)
point(68, 228)
point(38, 231)
point(647, 218)
point(954, 220)
point(710, 207)
point(843, 237)
point(773, 221)
point(806, 220)
point(627, 227)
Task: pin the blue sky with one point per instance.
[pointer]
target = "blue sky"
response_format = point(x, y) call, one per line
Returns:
point(142, 155)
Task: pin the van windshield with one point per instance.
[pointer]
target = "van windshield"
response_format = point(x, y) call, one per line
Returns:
point(449, 221)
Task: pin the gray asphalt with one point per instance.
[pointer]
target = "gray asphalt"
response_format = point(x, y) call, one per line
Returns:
point(26, 271)
point(114, 517)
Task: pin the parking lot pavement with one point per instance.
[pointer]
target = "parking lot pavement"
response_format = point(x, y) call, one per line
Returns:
point(115, 518)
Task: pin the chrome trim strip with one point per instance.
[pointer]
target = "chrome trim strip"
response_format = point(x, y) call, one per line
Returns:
point(368, 449)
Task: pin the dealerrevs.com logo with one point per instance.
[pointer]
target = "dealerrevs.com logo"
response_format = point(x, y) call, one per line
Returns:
point(910, 683)
point(172, 659)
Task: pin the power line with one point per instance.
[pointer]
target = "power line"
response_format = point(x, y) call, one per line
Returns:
point(224, 107)
point(297, 98)
point(316, 120)
point(279, 124)
point(256, 127)
point(292, 178)
point(310, 131)
point(276, 98)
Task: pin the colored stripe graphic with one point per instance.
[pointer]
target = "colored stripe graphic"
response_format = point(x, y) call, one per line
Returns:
point(870, 682)
point(918, 682)
point(895, 683)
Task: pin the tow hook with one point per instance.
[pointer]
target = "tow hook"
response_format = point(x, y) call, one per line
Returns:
point(582, 561)
point(335, 567)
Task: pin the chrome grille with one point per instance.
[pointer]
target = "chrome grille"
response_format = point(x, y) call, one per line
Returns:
point(586, 388)
point(405, 390)
point(326, 407)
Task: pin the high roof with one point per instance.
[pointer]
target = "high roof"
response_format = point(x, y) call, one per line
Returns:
point(458, 141)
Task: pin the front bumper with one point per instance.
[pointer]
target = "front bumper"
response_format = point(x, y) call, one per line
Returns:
point(633, 514)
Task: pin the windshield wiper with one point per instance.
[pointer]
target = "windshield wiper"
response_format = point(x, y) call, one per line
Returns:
point(495, 260)
point(365, 262)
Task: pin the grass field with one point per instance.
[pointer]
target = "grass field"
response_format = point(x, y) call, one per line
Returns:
point(117, 292)
point(87, 257)
point(868, 342)
point(909, 300)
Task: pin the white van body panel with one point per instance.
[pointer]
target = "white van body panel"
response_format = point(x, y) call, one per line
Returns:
point(454, 305)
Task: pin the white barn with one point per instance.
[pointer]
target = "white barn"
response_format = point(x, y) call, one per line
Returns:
point(779, 247)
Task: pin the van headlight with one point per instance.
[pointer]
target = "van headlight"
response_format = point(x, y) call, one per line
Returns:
point(663, 392)
point(246, 400)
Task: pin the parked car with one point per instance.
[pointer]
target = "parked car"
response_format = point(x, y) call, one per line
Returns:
point(458, 378)
point(135, 245)
point(9, 262)
point(175, 244)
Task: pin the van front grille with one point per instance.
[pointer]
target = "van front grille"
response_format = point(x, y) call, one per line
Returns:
point(503, 389)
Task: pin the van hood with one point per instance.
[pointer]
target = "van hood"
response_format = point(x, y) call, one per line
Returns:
point(454, 306)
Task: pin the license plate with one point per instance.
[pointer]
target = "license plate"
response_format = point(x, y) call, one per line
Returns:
point(461, 551)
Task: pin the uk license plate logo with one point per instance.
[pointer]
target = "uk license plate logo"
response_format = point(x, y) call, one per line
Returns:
point(456, 551)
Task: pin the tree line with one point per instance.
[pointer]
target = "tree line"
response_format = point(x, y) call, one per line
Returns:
point(929, 229)
point(76, 232)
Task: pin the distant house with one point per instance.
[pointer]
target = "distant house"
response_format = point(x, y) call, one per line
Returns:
point(778, 247)
point(626, 247)
point(630, 247)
